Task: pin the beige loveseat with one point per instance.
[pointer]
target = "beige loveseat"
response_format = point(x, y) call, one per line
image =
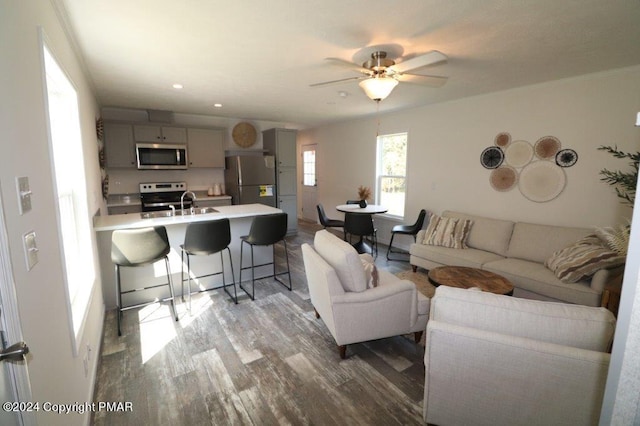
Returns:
point(352, 309)
point(499, 360)
point(517, 251)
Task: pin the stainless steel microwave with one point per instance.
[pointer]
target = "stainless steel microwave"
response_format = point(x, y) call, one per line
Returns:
point(157, 156)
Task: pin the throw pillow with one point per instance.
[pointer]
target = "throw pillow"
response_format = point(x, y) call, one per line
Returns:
point(582, 259)
point(447, 232)
point(370, 270)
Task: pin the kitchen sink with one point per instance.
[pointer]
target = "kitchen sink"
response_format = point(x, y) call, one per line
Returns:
point(205, 210)
point(153, 215)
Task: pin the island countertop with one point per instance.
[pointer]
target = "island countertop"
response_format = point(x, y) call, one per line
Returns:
point(133, 220)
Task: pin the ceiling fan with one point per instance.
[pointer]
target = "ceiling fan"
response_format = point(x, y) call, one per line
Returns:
point(380, 75)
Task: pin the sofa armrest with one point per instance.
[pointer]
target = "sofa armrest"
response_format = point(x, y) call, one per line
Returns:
point(420, 236)
point(483, 378)
point(603, 276)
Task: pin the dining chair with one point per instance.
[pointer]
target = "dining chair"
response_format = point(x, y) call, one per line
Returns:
point(406, 230)
point(361, 225)
point(266, 230)
point(204, 239)
point(326, 222)
point(140, 247)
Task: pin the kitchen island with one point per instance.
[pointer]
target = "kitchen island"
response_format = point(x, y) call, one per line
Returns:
point(240, 217)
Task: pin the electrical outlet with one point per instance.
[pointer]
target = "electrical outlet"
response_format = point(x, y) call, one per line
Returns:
point(24, 194)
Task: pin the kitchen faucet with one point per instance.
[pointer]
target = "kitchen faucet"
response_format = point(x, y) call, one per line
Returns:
point(193, 200)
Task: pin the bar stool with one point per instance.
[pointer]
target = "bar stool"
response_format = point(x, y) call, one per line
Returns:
point(139, 247)
point(265, 230)
point(204, 239)
point(406, 230)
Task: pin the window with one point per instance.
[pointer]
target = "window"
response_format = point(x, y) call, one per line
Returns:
point(70, 190)
point(309, 168)
point(392, 172)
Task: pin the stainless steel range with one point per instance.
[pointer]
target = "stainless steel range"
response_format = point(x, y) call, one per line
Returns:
point(161, 195)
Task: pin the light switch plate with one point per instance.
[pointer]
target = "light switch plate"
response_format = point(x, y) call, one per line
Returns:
point(30, 249)
point(24, 194)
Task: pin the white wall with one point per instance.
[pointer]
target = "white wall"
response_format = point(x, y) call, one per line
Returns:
point(445, 142)
point(56, 374)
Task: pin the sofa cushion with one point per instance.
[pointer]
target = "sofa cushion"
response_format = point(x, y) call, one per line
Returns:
point(447, 232)
point(538, 242)
point(572, 325)
point(486, 234)
point(534, 277)
point(343, 258)
point(582, 259)
point(473, 258)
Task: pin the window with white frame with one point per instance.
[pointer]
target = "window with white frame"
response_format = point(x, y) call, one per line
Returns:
point(309, 168)
point(70, 190)
point(391, 174)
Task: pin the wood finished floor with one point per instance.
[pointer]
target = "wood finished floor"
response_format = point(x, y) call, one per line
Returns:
point(262, 362)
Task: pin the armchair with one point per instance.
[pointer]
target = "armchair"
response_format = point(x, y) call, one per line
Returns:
point(353, 313)
point(499, 360)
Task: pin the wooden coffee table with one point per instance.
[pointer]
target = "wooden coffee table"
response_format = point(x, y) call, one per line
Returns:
point(464, 277)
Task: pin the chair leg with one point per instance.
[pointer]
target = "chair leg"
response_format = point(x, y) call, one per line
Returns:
point(317, 313)
point(390, 244)
point(182, 273)
point(189, 280)
point(118, 299)
point(414, 268)
point(235, 293)
point(170, 282)
point(417, 336)
point(288, 271)
point(343, 351)
point(252, 294)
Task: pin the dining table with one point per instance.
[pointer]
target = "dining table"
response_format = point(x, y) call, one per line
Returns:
point(361, 246)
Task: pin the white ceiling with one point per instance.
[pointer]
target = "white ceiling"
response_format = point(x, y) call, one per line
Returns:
point(259, 57)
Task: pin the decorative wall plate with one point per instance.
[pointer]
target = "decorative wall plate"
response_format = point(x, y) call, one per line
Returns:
point(244, 134)
point(503, 178)
point(566, 158)
point(547, 147)
point(518, 154)
point(491, 157)
point(502, 139)
point(541, 181)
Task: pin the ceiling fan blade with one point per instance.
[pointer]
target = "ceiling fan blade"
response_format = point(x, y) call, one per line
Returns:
point(346, 64)
point(428, 58)
point(424, 80)
point(342, 80)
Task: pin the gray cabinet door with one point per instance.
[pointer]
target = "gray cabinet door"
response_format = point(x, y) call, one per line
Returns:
point(119, 146)
point(206, 147)
point(289, 205)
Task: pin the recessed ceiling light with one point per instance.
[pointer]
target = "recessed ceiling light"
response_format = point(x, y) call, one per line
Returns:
point(217, 105)
point(177, 86)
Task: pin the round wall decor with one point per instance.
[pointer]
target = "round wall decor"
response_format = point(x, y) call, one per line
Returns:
point(541, 181)
point(518, 154)
point(244, 134)
point(491, 157)
point(547, 147)
point(503, 139)
point(503, 178)
point(566, 158)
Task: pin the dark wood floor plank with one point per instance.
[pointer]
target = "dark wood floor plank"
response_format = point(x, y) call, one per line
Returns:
point(263, 362)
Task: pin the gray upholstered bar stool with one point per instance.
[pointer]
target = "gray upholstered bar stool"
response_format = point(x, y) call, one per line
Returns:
point(204, 239)
point(265, 230)
point(139, 247)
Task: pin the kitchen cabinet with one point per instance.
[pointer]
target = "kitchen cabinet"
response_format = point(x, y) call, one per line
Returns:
point(206, 147)
point(125, 209)
point(119, 145)
point(159, 134)
point(282, 144)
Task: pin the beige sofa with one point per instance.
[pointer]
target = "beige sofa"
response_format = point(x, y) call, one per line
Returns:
point(517, 251)
point(498, 360)
point(351, 309)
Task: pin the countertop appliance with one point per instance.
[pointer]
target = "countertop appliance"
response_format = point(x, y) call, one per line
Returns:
point(156, 196)
point(160, 156)
point(251, 179)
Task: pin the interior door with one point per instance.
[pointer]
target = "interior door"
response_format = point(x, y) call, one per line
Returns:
point(309, 183)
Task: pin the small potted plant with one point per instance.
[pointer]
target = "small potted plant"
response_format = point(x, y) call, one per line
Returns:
point(364, 193)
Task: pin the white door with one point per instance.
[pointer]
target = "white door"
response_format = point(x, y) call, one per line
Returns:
point(14, 380)
point(309, 183)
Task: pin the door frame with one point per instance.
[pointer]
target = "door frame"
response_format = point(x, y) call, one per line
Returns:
point(11, 321)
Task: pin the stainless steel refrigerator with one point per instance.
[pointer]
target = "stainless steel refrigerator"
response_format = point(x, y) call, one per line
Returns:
point(251, 179)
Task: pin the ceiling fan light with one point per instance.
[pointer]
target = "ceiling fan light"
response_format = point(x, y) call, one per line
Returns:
point(378, 88)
